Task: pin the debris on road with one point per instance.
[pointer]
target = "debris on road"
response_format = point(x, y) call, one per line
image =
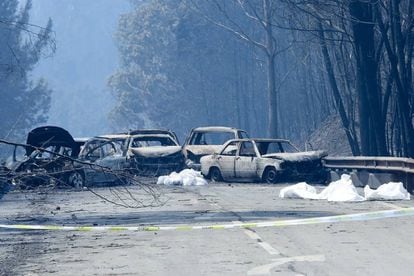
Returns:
point(187, 177)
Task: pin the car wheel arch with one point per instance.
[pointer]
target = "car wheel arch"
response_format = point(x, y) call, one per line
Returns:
point(214, 167)
point(266, 169)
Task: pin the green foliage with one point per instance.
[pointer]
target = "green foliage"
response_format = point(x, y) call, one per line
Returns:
point(24, 103)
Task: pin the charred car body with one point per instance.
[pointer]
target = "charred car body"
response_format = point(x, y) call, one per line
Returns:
point(203, 141)
point(268, 160)
point(106, 154)
point(49, 156)
point(154, 153)
point(140, 152)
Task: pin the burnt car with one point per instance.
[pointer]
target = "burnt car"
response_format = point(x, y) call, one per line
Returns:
point(107, 157)
point(203, 141)
point(154, 153)
point(168, 132)
point(267, 160)
point(140, 152)
point(49, 156)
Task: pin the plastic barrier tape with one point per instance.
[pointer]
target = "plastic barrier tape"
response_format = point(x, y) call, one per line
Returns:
point(402, 212)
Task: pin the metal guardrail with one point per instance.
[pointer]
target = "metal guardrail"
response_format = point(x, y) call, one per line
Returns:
point(402, 168)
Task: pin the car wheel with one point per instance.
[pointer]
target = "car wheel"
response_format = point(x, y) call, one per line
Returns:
point(76, 179)
point(215, 174)
point(270, 175)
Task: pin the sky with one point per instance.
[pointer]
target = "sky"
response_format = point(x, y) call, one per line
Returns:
point(85, 57)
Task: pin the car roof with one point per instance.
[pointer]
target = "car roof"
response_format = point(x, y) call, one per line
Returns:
point(151, 131)
point(153, 135)
point(216, 129)
point(258, 140)
point(112, 136)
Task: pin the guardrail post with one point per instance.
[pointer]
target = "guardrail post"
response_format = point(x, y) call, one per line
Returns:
point(355, 179)
point(409, 180)
point(334, 176)
point(373, 181)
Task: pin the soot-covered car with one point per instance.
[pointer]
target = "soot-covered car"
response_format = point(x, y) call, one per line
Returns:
point(203, 141)
point(49, 156)
point(268, 160)
point(141, 152)
point(154, 153)
point(107, 156)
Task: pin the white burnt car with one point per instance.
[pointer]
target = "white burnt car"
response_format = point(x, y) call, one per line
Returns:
point(203, 141)
point(267, 160)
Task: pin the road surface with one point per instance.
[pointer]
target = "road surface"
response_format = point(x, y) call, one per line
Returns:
point(380, 247)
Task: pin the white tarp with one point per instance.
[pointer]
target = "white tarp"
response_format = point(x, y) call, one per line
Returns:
point(187, 177)
point(343, 190)
point(300, 190)
point(389, 191)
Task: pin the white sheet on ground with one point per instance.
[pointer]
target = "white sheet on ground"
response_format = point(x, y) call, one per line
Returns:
point(187, 177)
point(341, 190)
point(388, 191)
point(300, 190)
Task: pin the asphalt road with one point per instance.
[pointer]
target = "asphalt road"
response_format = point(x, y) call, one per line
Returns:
point(380, 247)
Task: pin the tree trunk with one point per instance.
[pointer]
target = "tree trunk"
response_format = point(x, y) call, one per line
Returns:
point(403, 97)
point(372, 129)
point(353, 143)
point(272, 129)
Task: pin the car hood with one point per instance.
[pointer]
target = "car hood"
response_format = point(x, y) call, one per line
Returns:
point(297, 156)
point(204, 149)
point(51, 136)
point(157, 151)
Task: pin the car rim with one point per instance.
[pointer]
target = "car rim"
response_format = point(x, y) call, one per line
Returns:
point(76, 180)
point(271, 176)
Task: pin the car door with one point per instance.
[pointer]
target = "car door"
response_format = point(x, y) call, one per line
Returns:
point(246, 161)
point(226, 160)
point(113, 160)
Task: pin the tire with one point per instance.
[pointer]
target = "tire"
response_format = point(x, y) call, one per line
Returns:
point(270, 175)
point(215, 174)
point(76, 179)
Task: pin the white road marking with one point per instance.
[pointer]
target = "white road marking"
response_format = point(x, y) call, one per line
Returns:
point(269, 249)
point(265, 269)
point(254, 236)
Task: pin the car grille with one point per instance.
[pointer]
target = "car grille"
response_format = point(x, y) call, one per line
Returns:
point(157, 166)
